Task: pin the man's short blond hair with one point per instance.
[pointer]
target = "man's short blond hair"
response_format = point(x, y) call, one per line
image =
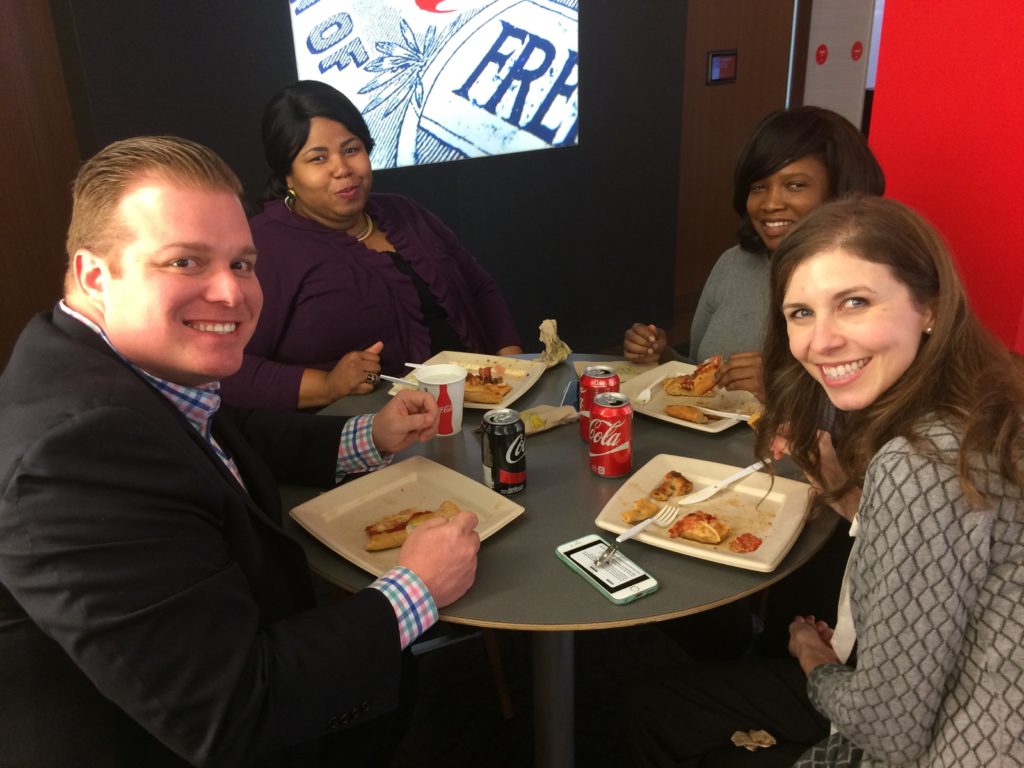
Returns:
point(110, 174)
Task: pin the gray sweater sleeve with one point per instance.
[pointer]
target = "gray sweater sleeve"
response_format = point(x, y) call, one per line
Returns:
point(918, 565)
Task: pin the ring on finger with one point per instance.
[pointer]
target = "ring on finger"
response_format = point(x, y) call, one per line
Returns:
point(372, 378)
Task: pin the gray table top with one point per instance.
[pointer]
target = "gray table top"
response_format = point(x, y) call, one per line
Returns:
point(520, 584)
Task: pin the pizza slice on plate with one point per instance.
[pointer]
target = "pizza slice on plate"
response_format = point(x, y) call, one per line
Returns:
point(392, 530)
point(640, 511)
point(686, 413)
point(700, 526)
point(697, 383)
point(674, 484)
point(487, 385)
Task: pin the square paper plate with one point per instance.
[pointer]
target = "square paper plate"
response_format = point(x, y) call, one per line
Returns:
point(519, 374)
point(337, 518)
point(735, 401)
point(776, 518)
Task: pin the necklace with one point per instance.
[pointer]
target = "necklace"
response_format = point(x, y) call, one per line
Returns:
point(369, 228)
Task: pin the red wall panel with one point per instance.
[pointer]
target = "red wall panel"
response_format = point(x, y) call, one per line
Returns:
point(947, 125)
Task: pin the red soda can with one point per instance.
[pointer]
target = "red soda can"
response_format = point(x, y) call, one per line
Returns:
point(595, 379)
point(611, 435)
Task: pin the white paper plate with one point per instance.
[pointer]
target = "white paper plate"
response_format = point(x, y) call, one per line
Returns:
point(737, 401)
point(338, 517)
point(520, 374)
point(776, 516)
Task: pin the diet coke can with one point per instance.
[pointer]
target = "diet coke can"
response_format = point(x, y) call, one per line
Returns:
point(595, 379)
point(504, 451)
point(611, 435)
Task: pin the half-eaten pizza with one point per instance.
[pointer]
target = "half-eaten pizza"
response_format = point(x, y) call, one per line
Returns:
point(674, 484)
point(702, 379)
point(699, 526)
point(487, 385)
point(392, 530)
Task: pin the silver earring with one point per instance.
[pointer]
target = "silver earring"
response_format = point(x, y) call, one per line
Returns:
point(290, 198)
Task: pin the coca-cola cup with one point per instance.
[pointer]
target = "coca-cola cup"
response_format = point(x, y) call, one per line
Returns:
point(447, 384)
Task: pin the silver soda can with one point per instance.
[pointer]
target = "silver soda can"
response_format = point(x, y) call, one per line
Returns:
point(504, 451)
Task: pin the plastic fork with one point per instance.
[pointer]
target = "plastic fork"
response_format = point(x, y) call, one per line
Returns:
point(645, 394)
point(665, 517)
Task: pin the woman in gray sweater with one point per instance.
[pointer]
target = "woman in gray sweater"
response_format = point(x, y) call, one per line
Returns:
point(870, 316)
point(925, 665)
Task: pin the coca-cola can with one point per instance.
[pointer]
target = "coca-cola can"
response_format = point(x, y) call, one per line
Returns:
point(504, 451)
point(595, 379)
point(611, 435)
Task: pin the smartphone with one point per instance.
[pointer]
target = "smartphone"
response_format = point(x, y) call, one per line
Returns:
point(620, 579)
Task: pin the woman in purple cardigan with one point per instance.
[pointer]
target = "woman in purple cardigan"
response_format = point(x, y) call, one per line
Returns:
point(354, 283)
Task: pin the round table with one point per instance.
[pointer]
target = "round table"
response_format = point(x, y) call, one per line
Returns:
point(521, 585)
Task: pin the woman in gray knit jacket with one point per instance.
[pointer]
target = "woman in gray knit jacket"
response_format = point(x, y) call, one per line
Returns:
point(871, 318)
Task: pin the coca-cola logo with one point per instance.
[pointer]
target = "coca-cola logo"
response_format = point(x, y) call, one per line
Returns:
point(606, 434)
point(446, 408)
point(516, 451)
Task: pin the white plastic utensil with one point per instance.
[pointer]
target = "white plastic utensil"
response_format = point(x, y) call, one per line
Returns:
point(396, 380)
point(711, 490)
point(645, 394)
point(665, 517)
point(413, 365)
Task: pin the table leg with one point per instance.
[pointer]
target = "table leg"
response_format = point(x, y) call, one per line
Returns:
point(553, 699)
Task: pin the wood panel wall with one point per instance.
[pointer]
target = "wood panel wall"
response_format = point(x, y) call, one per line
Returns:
point(717, 120)
point(38, 158)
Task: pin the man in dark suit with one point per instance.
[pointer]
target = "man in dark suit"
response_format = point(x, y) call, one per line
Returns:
point(152, 612)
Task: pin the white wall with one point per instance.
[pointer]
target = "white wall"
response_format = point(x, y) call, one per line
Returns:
point(836, 74)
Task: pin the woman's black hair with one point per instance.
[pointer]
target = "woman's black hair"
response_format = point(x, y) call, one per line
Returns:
point(786, 136)
point(286, 121)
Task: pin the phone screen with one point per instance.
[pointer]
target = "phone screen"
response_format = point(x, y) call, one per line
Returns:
point(616, 574)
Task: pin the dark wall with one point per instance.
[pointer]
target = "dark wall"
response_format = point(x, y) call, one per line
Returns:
point(583, 234)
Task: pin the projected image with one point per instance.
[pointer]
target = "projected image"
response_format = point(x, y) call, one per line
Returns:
point(440, 80)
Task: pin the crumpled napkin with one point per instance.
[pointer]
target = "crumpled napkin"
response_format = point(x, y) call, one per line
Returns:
point(752, 740)
point(555, 350)
point(542, 417)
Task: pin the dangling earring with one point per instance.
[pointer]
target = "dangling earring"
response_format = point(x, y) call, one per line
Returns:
point(290, 198)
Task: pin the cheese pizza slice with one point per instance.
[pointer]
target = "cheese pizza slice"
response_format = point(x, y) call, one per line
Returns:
point(699, 526)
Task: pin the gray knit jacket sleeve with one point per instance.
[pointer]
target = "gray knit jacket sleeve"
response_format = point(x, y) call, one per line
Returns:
point(918, 566)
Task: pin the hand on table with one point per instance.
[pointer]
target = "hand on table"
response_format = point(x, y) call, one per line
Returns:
point(743, 370)
point(644, 343)
point(443, 554)
point(810, 643)
point(411, 416)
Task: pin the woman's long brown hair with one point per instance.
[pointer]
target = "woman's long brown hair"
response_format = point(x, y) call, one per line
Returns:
point(961, 372)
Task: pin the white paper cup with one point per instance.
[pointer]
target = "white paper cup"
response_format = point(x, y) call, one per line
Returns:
point(447, 384)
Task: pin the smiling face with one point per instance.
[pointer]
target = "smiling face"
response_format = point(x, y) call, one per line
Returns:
point(779, 201)
point(852, 325)
point(184, 299)
point(331, 176)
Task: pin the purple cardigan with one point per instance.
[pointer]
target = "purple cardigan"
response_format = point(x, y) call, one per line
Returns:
point(325, 294)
